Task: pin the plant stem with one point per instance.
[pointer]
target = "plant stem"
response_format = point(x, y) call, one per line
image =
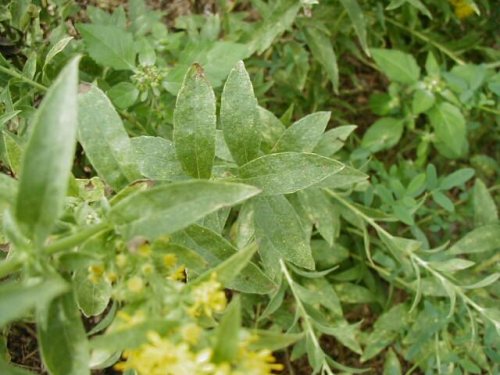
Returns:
point(75, 239)
point(426, 39)
point(17, 75)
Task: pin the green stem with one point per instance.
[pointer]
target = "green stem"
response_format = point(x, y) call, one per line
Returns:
point(426, 39)
point(10, 265)
point(17, 75)
point(75, 239)
point(489, 110)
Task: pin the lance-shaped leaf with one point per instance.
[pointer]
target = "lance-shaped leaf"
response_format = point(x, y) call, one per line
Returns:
point(62, 338)
point(104, 139)
point(194, 124)
point(358, 21)
point(304, 134)
point(288, 172)
point(227, 338)
point(168, 208)
point(48, 158)
point(238, 116)
point(278, 230)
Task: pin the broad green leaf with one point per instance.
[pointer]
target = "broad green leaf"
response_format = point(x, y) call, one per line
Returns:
point(48, 157)
point(92, 296)
point(288, 172)
point(485, 209)
point(215, 249)
point(17, 299)
point(167, 208)
point(156, 158)
point(303, 135)
point(62, 339)
point(109, 45)
point(333, 140)
point(8, 190)
point(391, 364)
point(482, 239)
point(358, 21)
point(238, 116)
point(398, 66)
point(227, 336)
point(422, 101)
point(457, 178)
point(449, 126)
point(104, 139)
point(322, 50)
point(278, 231)
point(194, 124)
point(123, 94)
point(383, 134)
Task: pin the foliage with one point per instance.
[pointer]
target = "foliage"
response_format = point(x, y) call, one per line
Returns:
point(150, 192)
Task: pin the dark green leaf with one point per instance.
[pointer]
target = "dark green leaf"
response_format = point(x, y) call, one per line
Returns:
point(398, 66)
point(358, 21)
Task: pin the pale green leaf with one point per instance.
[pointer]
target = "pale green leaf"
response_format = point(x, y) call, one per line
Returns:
point(383, 134)
point(123, 94)
point(482, 239)
point(48, 157)
point(485, 208)
point(449, 126)
point(391, 364)
point(398, 66)
point(226, 347)
point(92, 296)
point(194, 124)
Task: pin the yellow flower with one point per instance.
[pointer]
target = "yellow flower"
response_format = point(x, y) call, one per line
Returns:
point(169, 260)
point(135, 284)
point(257, 363)
point(191, 333)
point(463, 8)
point(161, 357)
point(208, 298)
point(95, 273)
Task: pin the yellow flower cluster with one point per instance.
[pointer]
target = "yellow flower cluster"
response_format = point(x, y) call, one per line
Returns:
point(463, 8)
point(208, 298)
point(162, 357)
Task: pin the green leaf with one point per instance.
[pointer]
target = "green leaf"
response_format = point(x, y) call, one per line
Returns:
point(288, 172)
point(442, 200)
point(449, 126)
point(227, 336)
point(358, 21)
point(485, 208)
point(278, 231)
point(194, 124)
point(273, 340)
point(271, 129)
point(333, 140)
point(320, 211)
point(58, 47)
point(48, 157)
point(482, 239)
point(104, 139)
point(62, 339)
point(391, 364)
point(457, 178)
point(383, 134)
point(322, 50)
point(156, 158)
point(165, 209)
point(303, 135)
point(238, 116)
point(8, 190)
point(109, 46)
point(423, 100)
point(347, 178)
point(123, 94)
point(215, 249)
point(344, 332)
point(8, 369)
point(17, 299)
point(91, 296)
point(452, 265)
point(398, 66)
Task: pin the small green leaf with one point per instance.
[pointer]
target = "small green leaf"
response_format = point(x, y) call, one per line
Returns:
point(452, 265)
point(303, 135)
point(109, 45)
point(273, 340)
point(227, 336)
point(123, 94)
point(48, 157)
point(442, 200)
point(358, 21)
point(8, 369)
point(238, 116)
point(92, 296)
point(322, 50)
point(288, 172)
point(278, 230)
point(398, 66)
point(423, 100)
point(62, 339)
point(485, 208)
point(17, 299)
point(56, 49)
point(391, 364)
point(333, 140)
point(320, 211)
point(482, 239)
point(156, 158)
point(8, 190)
point(383, 134)
point(449, 126)
point(194, 124)
point(457, 178)
point(104, 139)
point(167, 208)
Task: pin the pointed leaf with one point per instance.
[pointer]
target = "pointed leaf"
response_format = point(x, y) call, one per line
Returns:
point(227, 337)
point(449, 126)
point(398, 66)
point(482, 239)
point(194, 124)
point(238, 116)
point(358, 21)
point(48, 157)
